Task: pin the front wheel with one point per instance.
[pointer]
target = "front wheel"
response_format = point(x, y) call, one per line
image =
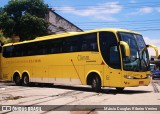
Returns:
point(96, 84)
point(25, 80)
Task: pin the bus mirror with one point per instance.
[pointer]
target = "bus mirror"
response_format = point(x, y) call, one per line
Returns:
point(154, 47)
point(127, 49)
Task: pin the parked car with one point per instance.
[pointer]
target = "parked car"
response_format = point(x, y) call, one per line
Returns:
point(152, 67)
point(155, 75)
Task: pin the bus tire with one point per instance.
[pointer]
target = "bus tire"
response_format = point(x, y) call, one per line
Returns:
point(25, 79)
point(96, 83)
point(119, 89)
point(17, 80)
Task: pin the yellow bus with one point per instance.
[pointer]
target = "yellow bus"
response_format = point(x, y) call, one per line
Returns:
point(99, 58)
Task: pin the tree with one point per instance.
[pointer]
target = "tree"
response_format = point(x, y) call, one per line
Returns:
point(4, 40)
point(25, 18)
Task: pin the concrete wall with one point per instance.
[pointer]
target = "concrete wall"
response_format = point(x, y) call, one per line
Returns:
point(59, 24)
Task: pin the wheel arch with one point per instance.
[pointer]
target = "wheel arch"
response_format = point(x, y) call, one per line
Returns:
point(90, 75)
point(15, 74)
point(26, 72)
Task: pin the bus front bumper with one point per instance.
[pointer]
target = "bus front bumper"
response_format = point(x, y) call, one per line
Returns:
point(136, 82)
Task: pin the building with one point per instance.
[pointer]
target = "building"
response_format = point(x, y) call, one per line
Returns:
point(58, 24)
point(155, 61)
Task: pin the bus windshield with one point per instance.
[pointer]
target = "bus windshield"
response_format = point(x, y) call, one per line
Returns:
point(139, 58)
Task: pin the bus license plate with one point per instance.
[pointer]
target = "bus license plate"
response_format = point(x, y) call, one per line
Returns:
point(141, 82)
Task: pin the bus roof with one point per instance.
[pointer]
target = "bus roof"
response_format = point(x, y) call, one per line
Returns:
point(54, 36)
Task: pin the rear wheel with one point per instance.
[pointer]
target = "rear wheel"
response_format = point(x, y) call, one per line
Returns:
point(25, 80)
point(96, 84)
point(17, 80)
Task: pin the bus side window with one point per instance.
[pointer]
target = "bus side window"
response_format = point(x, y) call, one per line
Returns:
point(84, 46)
point(24, 50)
point(0, 49)
point(89, 42)
point(41, 48)
point(70, 44)
point(114, 57)
point(55, 46)
point(8, 51)
point(94, 46)
point(31, 49)
point(74, 44)
point(66, 45)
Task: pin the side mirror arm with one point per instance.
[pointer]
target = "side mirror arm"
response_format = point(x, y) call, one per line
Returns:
point(154, 47)
point(127, 49)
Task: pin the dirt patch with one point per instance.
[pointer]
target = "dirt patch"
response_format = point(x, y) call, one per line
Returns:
point(10, 97)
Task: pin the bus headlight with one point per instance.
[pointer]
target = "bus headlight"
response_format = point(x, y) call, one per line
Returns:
point(148, 75)
point(128, 77)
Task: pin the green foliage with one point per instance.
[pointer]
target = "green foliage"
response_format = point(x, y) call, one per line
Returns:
point(3, 39)
point(29, 21)
point(6, 24)
point(24, 18)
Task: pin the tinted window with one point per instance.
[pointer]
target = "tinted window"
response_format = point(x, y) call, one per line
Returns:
point(0, 49)
point(87, 42)
point(55, 46)
point(8, 51)
point(71, 44)
point(109, 49)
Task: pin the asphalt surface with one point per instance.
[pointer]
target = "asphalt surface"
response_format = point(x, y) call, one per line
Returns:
point(57, 99)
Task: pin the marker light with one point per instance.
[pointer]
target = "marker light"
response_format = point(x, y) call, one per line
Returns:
point(128, 77)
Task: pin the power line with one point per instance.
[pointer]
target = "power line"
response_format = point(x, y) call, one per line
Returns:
point(130, 27)
point(124, 4)
point(103, 7)
point(152, 20)
point(121, 24)
point(158, 29)
point(137, 25)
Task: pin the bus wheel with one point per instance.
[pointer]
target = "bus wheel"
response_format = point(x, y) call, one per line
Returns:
point(25, 80)
point(96, 84)
point(119, 89)
point(17, 80)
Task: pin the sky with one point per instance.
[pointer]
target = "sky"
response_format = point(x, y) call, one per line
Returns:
point(142, 16)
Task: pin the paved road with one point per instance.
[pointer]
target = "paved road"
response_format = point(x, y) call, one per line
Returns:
point(79, 98)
